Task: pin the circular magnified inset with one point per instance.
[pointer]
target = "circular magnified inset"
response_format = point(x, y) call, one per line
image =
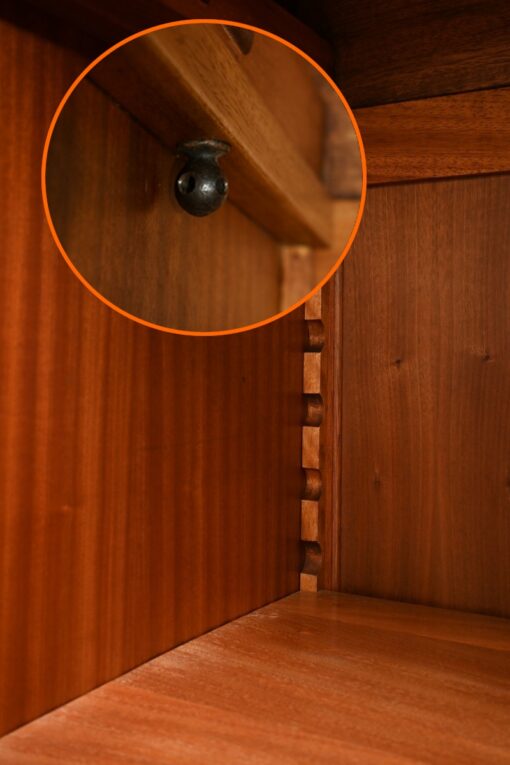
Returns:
point(203, 177)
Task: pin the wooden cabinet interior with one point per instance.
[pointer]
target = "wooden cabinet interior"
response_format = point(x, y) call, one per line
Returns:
point(246, 690)
point(129, 239)
point(178, 94)
point(112, 163)
point(145, 477)
point(425, 396)
point(152, 484)
point(401, 51)
point(415, 371)
point(445, 137)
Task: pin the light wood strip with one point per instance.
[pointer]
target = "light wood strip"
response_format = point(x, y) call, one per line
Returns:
point(309, 521)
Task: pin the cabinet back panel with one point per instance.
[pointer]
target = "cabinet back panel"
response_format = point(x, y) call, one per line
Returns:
point(426, 396)
point(149, 484)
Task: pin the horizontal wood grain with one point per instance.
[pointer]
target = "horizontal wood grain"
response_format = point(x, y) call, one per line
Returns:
point(466, 134)
point(179, 94)
point(399, 50)
point(313, 678)
point(149, 484)
point(102, 23)
point(425, 396)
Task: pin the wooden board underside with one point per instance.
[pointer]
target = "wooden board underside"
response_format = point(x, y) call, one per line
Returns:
point(323, 678)
point(179, 94)
point(399, 50)
point(466, 134)
point(102, 23)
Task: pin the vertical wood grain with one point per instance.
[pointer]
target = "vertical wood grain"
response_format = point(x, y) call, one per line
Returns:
point(426, 396)
point(149, 484)
point(331, 439)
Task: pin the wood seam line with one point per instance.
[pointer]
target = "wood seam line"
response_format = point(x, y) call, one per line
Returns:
point(310, 446)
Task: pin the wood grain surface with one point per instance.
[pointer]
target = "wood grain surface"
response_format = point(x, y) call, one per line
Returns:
point(110, 194)
point(426, 395)
point(150, 484)
point(466, 134)
point(110, 191)
point(322, 677)
point(322, 443)
point(399, 50)
point(330, 460)
point(190, 81)
point(94, 25)
point(296, 98)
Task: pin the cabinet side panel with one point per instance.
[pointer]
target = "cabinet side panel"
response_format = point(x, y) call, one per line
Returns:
point(149, 484)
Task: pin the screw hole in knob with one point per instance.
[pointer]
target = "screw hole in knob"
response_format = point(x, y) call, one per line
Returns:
point(186, 183)
point(201, 187)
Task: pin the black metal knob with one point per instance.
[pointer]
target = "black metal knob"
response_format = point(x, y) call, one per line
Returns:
point(201, 188)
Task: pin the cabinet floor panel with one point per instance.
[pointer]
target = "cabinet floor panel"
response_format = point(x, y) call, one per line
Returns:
point(324, 677)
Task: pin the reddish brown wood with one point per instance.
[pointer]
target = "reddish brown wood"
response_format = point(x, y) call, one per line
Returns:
point(312, 484)
point(150, 484)
point(106, 22)
point(322, 677)
point(110, 193)
point(331, 442)
point(400, 50)
point(426, 393)
point(309, 520)
point(178, 93)
point(467, 134)
point(314, 341)
point(313, 409)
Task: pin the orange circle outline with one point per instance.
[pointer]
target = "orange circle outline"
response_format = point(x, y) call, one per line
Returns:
point(160, 327)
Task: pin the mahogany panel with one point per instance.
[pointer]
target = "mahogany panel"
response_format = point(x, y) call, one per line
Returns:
point(467, 134)
point(426, 396)
point(399, 50)
point(321, 677)
point(150, 483)
point(102, 23)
